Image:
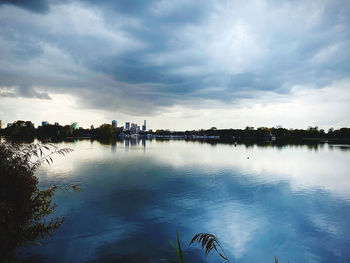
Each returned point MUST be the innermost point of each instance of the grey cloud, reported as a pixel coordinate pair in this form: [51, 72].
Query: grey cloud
[25, 91]
[39, 6]
[142, 52]
[30, 92]
[7, 93]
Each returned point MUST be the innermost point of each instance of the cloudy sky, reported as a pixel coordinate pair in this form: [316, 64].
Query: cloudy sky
[178, 64]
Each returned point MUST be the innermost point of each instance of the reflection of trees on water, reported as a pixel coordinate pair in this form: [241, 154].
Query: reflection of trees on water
[142, 141]
[341, 147]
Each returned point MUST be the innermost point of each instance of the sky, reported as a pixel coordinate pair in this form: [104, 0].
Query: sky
[184, 64]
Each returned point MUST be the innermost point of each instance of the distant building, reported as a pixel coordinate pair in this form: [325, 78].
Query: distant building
[127, 126]
[75, 125]
[0, 124]
[114, 124]
[56, 124]
[44, 123]
[133, 128]
[9, 125]
[144, 126]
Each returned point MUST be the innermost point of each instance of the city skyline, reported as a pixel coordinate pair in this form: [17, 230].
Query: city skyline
[76, 125]
[180, 65]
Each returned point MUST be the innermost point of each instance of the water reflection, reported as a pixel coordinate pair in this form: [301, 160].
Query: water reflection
[288, 201]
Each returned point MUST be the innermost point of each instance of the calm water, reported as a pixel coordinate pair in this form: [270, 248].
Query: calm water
[292, 202]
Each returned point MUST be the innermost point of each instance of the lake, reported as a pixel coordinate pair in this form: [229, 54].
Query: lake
[261, 201]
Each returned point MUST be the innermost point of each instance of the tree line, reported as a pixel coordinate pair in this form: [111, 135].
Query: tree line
[261, 134]
[26, 130]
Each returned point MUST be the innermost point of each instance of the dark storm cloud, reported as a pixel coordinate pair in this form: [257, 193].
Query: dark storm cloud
[29, 92]
[39, 6]
[25, 91]
[117, 54]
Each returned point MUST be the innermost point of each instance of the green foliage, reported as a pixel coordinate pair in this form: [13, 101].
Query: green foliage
[105, 130]
[23, 206]
[177, 250]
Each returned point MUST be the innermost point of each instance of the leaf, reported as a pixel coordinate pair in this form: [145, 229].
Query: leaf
[210, 243]
[179, 248]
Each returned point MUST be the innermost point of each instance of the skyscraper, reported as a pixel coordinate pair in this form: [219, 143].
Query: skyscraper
[127, 126]
[114, 124]
[144, 126]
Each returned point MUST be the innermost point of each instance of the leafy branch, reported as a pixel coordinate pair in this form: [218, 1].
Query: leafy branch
[211, 243]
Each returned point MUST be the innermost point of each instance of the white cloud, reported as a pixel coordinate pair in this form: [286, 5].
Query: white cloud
[61, 108]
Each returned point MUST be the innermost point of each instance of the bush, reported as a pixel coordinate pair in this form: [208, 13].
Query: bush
[23, 206]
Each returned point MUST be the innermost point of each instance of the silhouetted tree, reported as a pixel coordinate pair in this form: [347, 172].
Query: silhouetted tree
[23, 206]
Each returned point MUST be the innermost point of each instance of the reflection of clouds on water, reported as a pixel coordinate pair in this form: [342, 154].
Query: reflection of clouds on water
[321, 222]
[88, 242]
[235, 227]
[305, 169]
[275, 203]
[298, 165]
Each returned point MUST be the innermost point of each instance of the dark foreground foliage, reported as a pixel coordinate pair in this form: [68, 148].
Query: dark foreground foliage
[23, 206]
[209, 243]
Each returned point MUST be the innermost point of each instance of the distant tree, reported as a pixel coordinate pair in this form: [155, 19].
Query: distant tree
[106, 130]
[20, 129]
[23, 206]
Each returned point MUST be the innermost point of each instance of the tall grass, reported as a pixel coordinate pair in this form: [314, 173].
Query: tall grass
[177, 249]
[209, 242]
